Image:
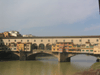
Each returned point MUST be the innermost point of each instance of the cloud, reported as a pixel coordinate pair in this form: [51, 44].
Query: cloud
[93, 27]
[36, 13]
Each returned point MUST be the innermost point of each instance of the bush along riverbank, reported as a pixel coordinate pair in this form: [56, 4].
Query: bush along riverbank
[94, 70]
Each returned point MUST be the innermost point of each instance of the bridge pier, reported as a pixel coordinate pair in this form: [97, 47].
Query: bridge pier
[22, 56]
[62, 57]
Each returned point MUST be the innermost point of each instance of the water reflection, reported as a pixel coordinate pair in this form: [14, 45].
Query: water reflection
[47, 67]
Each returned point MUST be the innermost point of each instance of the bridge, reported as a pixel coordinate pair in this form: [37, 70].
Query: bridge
[62, 47]
[62, 56]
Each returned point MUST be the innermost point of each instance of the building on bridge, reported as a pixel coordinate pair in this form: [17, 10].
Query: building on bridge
[66, 47]
[61, 47]
[75, 48]
[24, 46]
[17, 46]
[87, 48]
[97, 49]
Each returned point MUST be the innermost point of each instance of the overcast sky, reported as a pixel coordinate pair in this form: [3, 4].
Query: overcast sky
[50, 17]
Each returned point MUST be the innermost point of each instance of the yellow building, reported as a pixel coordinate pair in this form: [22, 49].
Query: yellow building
[20, 46]
[23, 46]
[6, 34]
[54, 48]
[58, 47]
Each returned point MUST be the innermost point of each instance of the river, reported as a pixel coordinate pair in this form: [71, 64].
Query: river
[47, 66]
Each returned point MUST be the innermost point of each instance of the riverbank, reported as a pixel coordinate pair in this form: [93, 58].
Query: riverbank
[94, 70]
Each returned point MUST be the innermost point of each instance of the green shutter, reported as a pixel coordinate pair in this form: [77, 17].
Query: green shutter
[91, 50]
[83, 50]
[87, 50]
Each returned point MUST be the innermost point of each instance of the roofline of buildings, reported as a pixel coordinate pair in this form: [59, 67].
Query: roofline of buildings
[96, 36]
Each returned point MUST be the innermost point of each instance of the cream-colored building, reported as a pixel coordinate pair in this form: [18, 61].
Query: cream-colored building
[97, 49]
[15, 33]
[12, 46]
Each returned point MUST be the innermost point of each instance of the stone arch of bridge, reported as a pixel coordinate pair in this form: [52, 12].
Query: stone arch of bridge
[48, 46]
[33, 55]
[74, 54]
[9, 55]
[42, 46]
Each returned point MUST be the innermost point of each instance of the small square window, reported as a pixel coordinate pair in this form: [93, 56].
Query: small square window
[9, 40]
[60, 49]
[15, 40]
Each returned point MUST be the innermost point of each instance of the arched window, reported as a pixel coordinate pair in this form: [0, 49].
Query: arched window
[41, 46]
[56, 40]
[34, 46]
[48, 47]
[79, 40]
[97, 40]
[15, 40]
[63, 40]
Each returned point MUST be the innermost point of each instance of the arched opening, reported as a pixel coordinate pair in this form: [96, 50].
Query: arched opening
[41, 46]
[48, 46]
[34, 46]
[8, 56]
[83, 58]
[41, 56]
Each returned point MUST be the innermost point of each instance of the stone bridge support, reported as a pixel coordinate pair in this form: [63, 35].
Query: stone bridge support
[65, 57]
[23, 56]
[62, 57]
